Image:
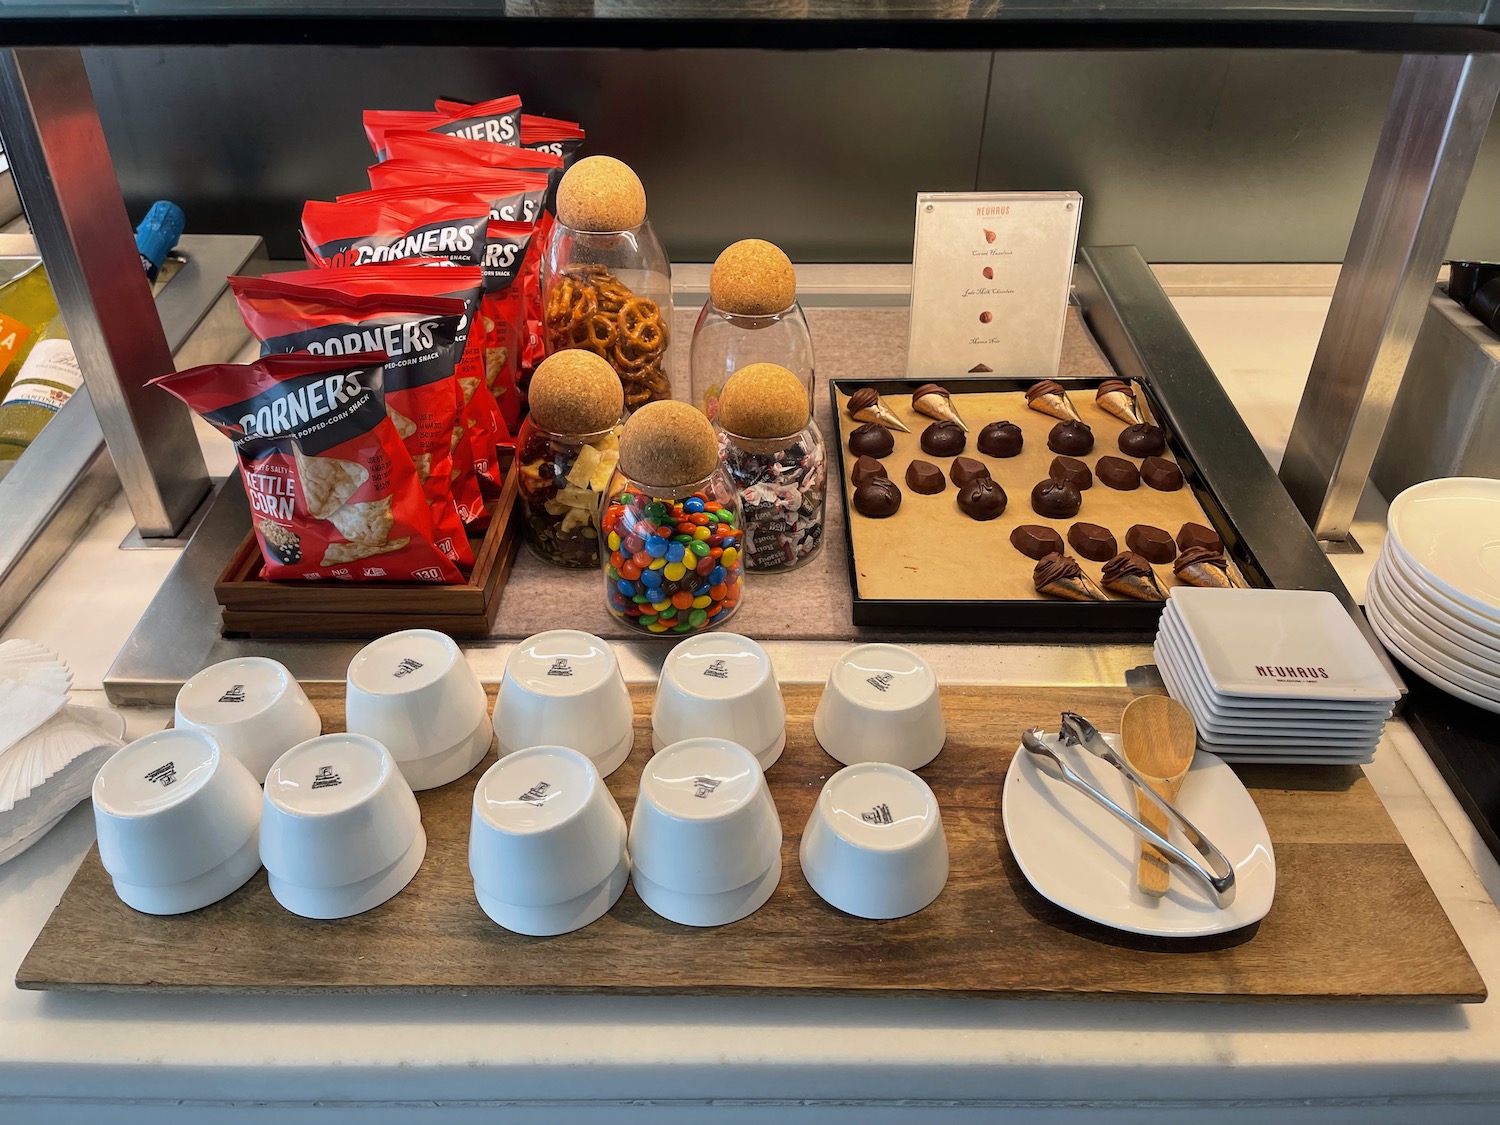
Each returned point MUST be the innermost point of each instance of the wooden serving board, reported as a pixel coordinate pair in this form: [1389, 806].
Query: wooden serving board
[1354, 920]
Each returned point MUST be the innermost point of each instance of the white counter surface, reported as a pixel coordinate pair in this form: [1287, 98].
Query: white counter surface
[103, 1058]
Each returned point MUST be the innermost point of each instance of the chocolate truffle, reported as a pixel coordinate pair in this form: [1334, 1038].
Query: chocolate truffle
[1056, 500]
[943, 439]
[1093, 542]
[877, 498]
[1151, 543]
[966, 470]
[1142, 440]
[1001, 439]
[925, 477]
[1072, 439]
[1161, 474]
[1036, 541]
[936, 402]
[1132, 576]
[871, 440]
[1118, 473]
[866, 468]
[982, 499]
[1196, 535]
[1072, 470]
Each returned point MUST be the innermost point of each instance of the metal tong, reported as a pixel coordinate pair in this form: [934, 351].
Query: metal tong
[1218, 877]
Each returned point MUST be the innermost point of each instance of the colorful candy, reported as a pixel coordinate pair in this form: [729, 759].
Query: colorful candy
[674, 566]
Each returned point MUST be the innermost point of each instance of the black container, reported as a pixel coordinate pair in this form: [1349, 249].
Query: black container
[1467, 278]
[1074, 619]
[1485, 305]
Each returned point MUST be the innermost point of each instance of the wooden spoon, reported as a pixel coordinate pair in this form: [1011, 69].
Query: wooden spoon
[1158, 738]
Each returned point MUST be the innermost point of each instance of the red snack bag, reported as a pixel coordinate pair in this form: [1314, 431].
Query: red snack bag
[332, 490]
[503, 311]
[476, 157]
[549, 134]
[497, 121]
[424, 335]
[429, 277]
[397, 226]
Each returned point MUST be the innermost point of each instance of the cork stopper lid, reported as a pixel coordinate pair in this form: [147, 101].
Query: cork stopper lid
[668, 444]
[763, 400]
[752, 278]
[576, 392]
[600, 193]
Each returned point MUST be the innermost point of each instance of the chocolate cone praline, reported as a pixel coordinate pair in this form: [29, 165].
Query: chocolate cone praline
[1001, 439]
[1072, 470]
[1056, 500]
[1093, 542]
[1118, 473]
[1151, 543]
[877, 498]
[1071, 439]
[966, 470]
[871, 440]
[925, 477]
[1036, 541]
[866, 468]
[982, 499]
[943, 439]
[1161, 474]
[1142, 440]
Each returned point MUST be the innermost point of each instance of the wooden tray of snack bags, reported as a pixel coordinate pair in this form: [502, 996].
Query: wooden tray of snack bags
[254, 606]
[930, 565]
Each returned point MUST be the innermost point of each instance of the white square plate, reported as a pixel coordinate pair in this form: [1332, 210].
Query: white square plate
[1280, 644]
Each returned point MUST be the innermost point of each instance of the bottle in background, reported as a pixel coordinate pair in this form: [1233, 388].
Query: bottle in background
[27, 306]
[46, 382]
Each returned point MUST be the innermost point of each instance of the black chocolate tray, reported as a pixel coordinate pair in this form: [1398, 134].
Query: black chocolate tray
[1030, 613]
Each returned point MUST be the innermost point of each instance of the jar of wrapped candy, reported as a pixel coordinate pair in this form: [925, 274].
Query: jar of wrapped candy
[773, 455]
[566, 455]
[606, 281]
[751, 316]
[675, 562]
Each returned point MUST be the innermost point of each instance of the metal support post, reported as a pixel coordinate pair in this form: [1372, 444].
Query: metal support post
[72, 198]
[1438, 116]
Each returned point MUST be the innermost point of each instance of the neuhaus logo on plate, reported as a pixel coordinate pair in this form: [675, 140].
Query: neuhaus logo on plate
[1291, 672]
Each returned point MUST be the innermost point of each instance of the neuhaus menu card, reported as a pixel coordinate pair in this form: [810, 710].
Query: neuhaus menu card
[991, 272]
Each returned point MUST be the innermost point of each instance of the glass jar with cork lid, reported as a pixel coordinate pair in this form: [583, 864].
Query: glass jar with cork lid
[566, 455]
[751, 316]
[773, 454]
[675, 562]
[606, 281]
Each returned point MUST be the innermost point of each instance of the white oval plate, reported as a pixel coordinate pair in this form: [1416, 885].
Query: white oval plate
[1451, 670]
[1450, 528]
[1396, 647]
[1468, 658]
[1078, 856]
[1445, 606]
[1432, 621]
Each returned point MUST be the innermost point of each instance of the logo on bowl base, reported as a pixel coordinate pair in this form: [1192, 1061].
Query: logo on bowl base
[560, 667]
[718, 670]
[235, 694]
[881, 683]
[407, 667]
[703, 787]
[326, 778]
[163, 775]
[880, 814]
[537, 794]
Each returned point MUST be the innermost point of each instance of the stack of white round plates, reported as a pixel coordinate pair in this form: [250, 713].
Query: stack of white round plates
[1434, 596]
[1274, 675]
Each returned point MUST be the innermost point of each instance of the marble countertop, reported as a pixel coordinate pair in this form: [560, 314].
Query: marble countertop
[154, 1059]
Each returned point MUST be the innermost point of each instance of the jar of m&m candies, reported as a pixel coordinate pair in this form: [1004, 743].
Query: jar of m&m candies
[675, 562]
[773, 454]
[566, 454]
[751, 316]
